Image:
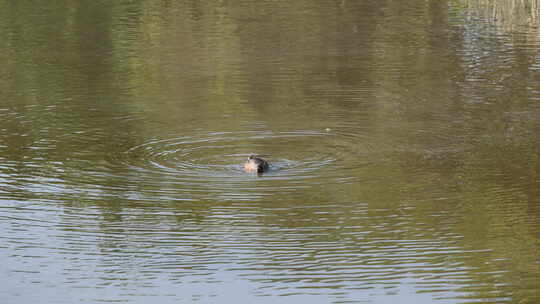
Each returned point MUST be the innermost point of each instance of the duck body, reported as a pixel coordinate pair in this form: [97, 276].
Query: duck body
[256, 164]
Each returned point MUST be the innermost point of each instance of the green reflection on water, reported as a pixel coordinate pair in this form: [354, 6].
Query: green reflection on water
[407, 137]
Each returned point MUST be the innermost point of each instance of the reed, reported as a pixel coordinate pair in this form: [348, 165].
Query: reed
[508, 13]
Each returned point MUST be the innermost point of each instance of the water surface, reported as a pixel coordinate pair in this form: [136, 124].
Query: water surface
[403, 141]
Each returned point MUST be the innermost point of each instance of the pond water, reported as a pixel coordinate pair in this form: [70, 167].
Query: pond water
[403, 138]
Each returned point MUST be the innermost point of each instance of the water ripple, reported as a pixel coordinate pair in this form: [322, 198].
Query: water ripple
[211, 163]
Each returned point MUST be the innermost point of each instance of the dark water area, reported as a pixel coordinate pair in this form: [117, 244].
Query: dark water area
[403, 138]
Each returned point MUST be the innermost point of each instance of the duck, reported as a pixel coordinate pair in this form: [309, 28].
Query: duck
[256, 164]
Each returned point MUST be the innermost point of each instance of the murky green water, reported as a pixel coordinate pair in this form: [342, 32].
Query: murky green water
[403, 138]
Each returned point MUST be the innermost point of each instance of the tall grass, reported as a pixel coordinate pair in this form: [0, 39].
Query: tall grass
[508, 13]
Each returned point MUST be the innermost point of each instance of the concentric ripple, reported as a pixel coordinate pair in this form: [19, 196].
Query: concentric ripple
[209, 166]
